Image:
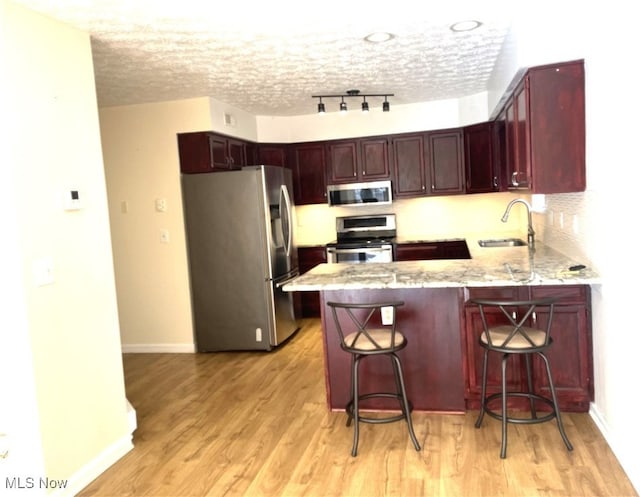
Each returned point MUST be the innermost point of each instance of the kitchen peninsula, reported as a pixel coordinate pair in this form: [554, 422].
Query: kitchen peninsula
[443, 361]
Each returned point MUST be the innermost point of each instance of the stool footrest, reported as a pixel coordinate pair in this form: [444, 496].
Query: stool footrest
[379, 420]
[532, 396]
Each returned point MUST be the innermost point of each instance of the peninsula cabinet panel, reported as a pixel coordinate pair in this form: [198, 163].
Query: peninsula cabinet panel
[446, 166]
[408, 152]
[308, 164]
[569, 355]
[308, 258]
[430, 319]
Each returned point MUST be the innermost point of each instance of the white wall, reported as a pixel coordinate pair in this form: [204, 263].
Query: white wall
[63, 400]
[401, 119]
[599, 217]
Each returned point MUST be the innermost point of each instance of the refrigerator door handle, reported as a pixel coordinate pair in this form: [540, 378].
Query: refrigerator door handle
[285, 205]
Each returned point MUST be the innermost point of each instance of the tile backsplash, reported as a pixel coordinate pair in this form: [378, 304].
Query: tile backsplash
[563, 224]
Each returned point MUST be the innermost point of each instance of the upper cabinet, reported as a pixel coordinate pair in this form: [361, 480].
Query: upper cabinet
[351, 161]
[482, 166]
[428, 163]
[544, 130]
[272, 154]
[308, 164]
[410, 176]
[446, 167]
[204, 152]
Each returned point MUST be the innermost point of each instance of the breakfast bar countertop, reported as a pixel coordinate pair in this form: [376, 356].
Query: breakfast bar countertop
[488, 266]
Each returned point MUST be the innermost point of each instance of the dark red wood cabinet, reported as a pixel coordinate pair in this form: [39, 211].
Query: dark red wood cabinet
[272, 154]
[570, 355]
[358, 160]
[308, 258]
[308, 163]
[203, 152]
[422, 251]
[545, 130]
[482, 167]
[428, 163]
[446, 162]
[430, 320]
[408, 162]
[226, 152]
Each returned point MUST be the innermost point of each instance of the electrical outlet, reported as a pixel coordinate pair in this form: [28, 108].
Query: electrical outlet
[164, 236]
[386, 314]
[161, 205]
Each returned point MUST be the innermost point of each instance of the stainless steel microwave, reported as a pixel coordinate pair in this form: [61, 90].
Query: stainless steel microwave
[370, 193]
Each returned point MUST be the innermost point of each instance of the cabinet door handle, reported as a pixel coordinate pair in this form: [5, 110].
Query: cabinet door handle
[514, 178]
[495, 182]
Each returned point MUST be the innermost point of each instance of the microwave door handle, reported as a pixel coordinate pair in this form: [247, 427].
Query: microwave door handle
[286, 200]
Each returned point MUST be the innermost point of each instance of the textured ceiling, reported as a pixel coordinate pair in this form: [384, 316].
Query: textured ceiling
[268, 58]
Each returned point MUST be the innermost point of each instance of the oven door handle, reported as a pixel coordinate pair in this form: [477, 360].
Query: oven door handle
[368, 250]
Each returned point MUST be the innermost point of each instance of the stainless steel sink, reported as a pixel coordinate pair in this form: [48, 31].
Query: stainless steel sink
[502, 242]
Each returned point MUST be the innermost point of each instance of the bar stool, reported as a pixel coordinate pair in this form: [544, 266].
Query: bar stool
[360, 338]
[516, 338]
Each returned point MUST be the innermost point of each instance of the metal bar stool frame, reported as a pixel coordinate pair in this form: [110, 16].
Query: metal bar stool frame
[522, 340]
[362, 343]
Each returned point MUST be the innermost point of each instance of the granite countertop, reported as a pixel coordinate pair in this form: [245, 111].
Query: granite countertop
[504, 266]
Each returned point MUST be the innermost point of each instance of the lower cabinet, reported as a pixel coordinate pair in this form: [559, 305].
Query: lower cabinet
[424, 251]
[308, 258]
[570, 355]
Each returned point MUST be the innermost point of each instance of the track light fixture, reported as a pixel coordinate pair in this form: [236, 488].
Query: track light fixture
[351, 94]
[343, 106]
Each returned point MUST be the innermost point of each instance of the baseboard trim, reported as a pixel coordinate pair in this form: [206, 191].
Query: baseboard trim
[95, 468]
[158, 348]
[629, 464]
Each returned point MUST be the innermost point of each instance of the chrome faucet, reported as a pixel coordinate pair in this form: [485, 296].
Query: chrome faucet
[531, 241]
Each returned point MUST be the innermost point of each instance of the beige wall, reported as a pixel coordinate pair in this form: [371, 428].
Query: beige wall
[63, 347]
[141, 165]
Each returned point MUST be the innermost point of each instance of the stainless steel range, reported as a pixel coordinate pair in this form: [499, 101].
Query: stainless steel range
[363, 239]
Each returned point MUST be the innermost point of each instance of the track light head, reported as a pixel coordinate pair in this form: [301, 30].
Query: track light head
[321, 109]
[365, 105]
[385, 105]
[343, 106]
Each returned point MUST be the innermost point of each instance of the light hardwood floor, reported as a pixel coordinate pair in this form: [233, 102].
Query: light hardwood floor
[256, 424]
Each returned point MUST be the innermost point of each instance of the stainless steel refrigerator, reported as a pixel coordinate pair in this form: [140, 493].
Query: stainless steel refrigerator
[241, 251]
